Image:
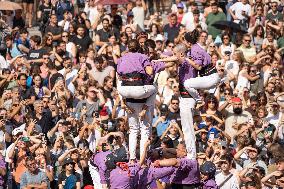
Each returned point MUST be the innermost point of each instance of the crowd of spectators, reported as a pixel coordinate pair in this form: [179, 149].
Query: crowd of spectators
[63, 124]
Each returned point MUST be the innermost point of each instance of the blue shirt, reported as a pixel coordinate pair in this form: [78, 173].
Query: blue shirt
[162, 126]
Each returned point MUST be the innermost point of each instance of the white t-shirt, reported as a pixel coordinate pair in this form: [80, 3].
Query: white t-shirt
[187, 20]
[139, 16]
[66, 25]
[238, 8]
[69, 78]
[273, 119]
[232, 183]
[92, 13]
[3, 62]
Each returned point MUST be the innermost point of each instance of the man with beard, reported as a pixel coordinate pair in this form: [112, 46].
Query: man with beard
[103, 34]
[53, 29]
[82, 40]
[235, 117]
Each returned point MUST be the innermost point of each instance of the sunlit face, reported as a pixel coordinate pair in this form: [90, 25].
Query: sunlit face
[261, 113]
[81, 31]
[37, 80]
[112, 39]
[128, 32]
[214, 59]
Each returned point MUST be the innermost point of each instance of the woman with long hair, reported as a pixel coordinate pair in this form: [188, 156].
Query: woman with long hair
[257, 37]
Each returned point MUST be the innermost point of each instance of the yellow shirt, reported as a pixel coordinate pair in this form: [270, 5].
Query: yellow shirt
[248, 52]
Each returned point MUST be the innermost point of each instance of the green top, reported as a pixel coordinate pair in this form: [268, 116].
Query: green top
[280, 42]
[211, 19]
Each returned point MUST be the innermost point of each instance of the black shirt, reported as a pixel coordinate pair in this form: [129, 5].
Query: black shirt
[36, 54]
[82, 44]
[26, 93]
[104, 35]
[172, 31]
[46, 11]
[45, 122]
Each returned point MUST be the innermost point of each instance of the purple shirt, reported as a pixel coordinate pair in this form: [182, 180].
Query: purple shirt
[186, 173]
[137, 177]
[157, 67]
[2, 165]
[199, 55]
[132, 62]
[209, 184]
[100, 162]
[149, 174]
[186, 71]
[120, 179]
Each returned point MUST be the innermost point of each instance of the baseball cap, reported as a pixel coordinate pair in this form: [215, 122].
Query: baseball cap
[159, 38]
[180, 5]
[164, 108]
[68, 161]
[208, 168]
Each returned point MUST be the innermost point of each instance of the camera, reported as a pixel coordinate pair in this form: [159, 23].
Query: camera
[108, 125]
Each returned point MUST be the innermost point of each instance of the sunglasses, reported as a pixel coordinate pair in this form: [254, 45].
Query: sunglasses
[225, 37]
[64, 35]
[247, 40]
[227, 93]
[171, 46]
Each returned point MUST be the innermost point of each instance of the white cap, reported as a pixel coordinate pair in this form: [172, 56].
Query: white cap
[159, 38]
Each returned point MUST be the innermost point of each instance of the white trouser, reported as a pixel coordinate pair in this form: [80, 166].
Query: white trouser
[186, 108]
[204, 82]
[137, 126]
[188, 104]
[138, 92]
[95, 176]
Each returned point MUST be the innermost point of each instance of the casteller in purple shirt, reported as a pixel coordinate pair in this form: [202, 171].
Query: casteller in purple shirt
[187, 172]
[136, 176]
[186, 71]
[157, 67]
[209, 184]
[132, 62]
[100, 161]
[199, 55]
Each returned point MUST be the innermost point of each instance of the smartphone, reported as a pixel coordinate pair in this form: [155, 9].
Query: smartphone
[211, 136]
